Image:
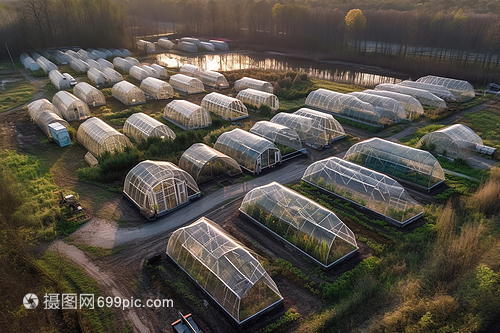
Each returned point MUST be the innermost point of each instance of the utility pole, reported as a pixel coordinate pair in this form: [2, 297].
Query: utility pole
[10, 56]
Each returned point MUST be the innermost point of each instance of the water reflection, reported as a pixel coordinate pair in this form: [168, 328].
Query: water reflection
[236, 60]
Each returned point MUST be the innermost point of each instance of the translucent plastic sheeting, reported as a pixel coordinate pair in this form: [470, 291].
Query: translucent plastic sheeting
[78, 64]
[256, 98]
[187, 47]
[434, 89]
[412, 106]
[248, 82]
[122, 64]
[151, 71]
[165, 43]
[365, 187]
[107, 52]
[406, 163]
[314, 136]
[45, 118]
[251, 151]
[206, 46]
[187, 115]
[41, 105]
[84, 55]
[162, 71]
[455, 141]
[186, 84]
[112, 76]
[138, 73]
[96, 76]
[125, 53]
[90, 95]
[157, 187]
[190, 70]
[308, 226]
[29, 63]
[226, 107]
[204, 163]
[423, 96]
[389, 109]
[219, 45]
[459, 88]
[213, 79]
[98, 137]
[195, 41]
[128, 94]
[133, 61]
[61, 58]
[224, 269]
[277, 133]
[157, 88]
[323, 121]
[140, 126]
[93, 64]
[46, 64]
[105, 64]
[59, 80]
[145, 46]
[70, 107]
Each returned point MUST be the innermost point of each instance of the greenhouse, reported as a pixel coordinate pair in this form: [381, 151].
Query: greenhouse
[277, 133]
[116, 53]
[186, 84]
[112, 76]
[309, 227]
[145, 46]
[455, 141]
[412, 106]
[29, 63]
[364, 187]
[84, 55]
[125, 53]
[156, 88]
[256, 98]
[97, 54]
[209, 47]
[122, 64]
[187, 115]
[408, 164]
[107, 53]
[251, 151]
[343, 105]
[133, 61]
[248, 82]
[423, 96]
[151, 71]
[138, 73]
[105, 64]
[43, 119]
[311, 132]
[224, 269]
[388, 108]
[213, 79]
[70, 107]
[434, 89]
[96, 76]
[39, 106]
[165, 43]
[462, 90]
[128, 94]
[158, 187]
[321, 120]
[60, 57]
[224, 106]
[45, 64]
[35, 55]
[190, 70]
[93, 64]
[98, 137]
[78, 65]
[73, 54]
[140, 126]
[204, 163]
[187, 47]
[58, 80]
[219, 45]
[89, 94]
[195, 41]
[162, 71]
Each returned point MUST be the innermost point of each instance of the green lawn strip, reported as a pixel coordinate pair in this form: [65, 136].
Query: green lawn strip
[15, 94]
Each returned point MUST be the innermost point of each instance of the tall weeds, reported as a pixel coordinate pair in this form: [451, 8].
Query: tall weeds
[486, 200]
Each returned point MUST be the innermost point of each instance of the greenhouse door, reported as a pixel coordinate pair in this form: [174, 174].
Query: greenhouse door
[81, 113]
[181, 192]
[277, 157]
[258, 165]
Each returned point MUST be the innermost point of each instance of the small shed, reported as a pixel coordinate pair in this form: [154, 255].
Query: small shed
[58, 80]
[187, 47]
[165, 43]
[138, 73]
[186, 84]
[224, 106]
[187, 115]
[248, 82]
[122, 64]
[141, 126]
[157, 88]
[112, 76]
[162, 71]
[98, 137]
[70, 107]
[128, 94]
[256, 98]
[89, 94]
[96, 76]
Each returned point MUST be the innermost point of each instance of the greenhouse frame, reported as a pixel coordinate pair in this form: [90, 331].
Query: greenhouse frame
[248, 82]
[186, 84]
[411, 105]
[325, 121]
[96, 76]
[41, 105]
[187, 115]
[46, 64]
[93, 64]
[140, 126]
[204, 163]
[226, 107]
[439, 91]
[190, 70]
[60, 57]
[365, 188]
[158, 187]
[213, 79]
[58, 80]
[98, 137]
[187, 47]
[43, 119]
[151, 71]
[78, 64]
[407, 164]
[165, 43]
[116, 53]
[84, 55]
[256, 98]
[162, 71]
[252, 152]
[462, 90]
[128, 94]
[70, 107]
[133, 61]
[28, 62]
[219, 45]
[389, 109]
[125, 53]
[277, 133]
[209, 47]
[107, 53]
[310, 228]
[112, 76]
[224, 270]
[122, 64]
[105, 64]
[157, 88]
[138, 73]
[35, 55]
[90, 95]
[423, 96]
[146, 46]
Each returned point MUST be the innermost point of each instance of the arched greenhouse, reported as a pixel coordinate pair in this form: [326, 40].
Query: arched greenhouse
[156, 88]
[162, 71]
[122, 64]
[46, 64]
[187, 47]
[141, 126]
[93, 64]
[323, 121]
[412, 106]
[186, 84]
[187, 115]
[434, 89]
[151, 71]
[165, 43]
[224, 106]
[112, 76]
[423, 96]
[389, 109]
[98, 137]
[219, 45]
[29, 63]
[70, 107]
[256, 98]
[128, 94]
[138, 73]
[45, 118]
[190, 70]
[277, 133]
[145, 46]
[213, 79]
[58, 80]
[96, 76]
[206, 46]
[90, 95]
[133, 61]
[248, 82]
[461, 89]
[105, 64]
[41, 105]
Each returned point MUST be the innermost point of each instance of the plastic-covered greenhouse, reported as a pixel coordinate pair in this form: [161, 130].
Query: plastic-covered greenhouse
[455, 141]
[89, 94]
[187, 115]
[311, 228]
[219, 45]
[434, 89]
[138, 73]
[156, 88]
[128, 94]
[165, 43]
[43, 119]
[411, 105]
[187, 47]
[83, 54]
[162, 71]
[408, 164]
[257, 98]
[186, 84]
[133, 61]
[59, 80]
[207, 46]
[70, 107]
[112, 76]
[364, 187]
[122, 64]
[389, 109]
[116, 53]
[29, 63]
[145, 46]
[204, 163]
[193, 40]
[461, 89]
[277, 133]
[311, 132]
[225, 270]
[46, 64]
[93, 64]
[251, 151]
[96, 76]
[157, 187]
[190, 70]
[60, 57]
[35, 55]
[321, 120]
[224, 106]
[98, 137]
[78, 65]
[125, 53]
[423, 96]
[343, 105]
[213, 79]
[141, 126]
[107, 53]
[248, 82]
[151, 71]
[105, 64]
[41, 105]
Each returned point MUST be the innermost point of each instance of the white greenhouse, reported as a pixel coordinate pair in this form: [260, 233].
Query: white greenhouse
[44, 119]
[219, 45]
[90, 95]
[29, 63]
[434, 89]
[35, 55]
[206, 46]
[112, 76]
[256, 98]
[165, 43]
[190, 70]
[252, 152]
[156, 88]
[140, 126]
[78, 65]
[138, 73]
[105, 64]
[224, 106]
[187, 115]
[70, 107]
[98, 137]
[204, 163]
[133, 61]
[60, 57]
[128, 94]
[122, 64]
[278, 134]
[125, 53]
[41, 105]
[96, 76]
[145, 46]
[46, 64]
[151, 71]
[116, 53]
[107, 53]
[312, 229]
[411, 105]
[161, 70]
[186, 84]
[334, 130]
[157, 187]
[187, 47]
[213, 79]
[195, 41]
[248, 82]
[389, 109]
[423, 96]
[84, 55]
[58, 80]
[462, 90]
[93, 64]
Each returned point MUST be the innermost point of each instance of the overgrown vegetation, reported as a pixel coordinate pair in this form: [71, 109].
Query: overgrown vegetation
[486, 124]
[413, 139]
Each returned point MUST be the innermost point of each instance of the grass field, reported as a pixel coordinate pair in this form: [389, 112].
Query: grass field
[486, 124]
[15, 94]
